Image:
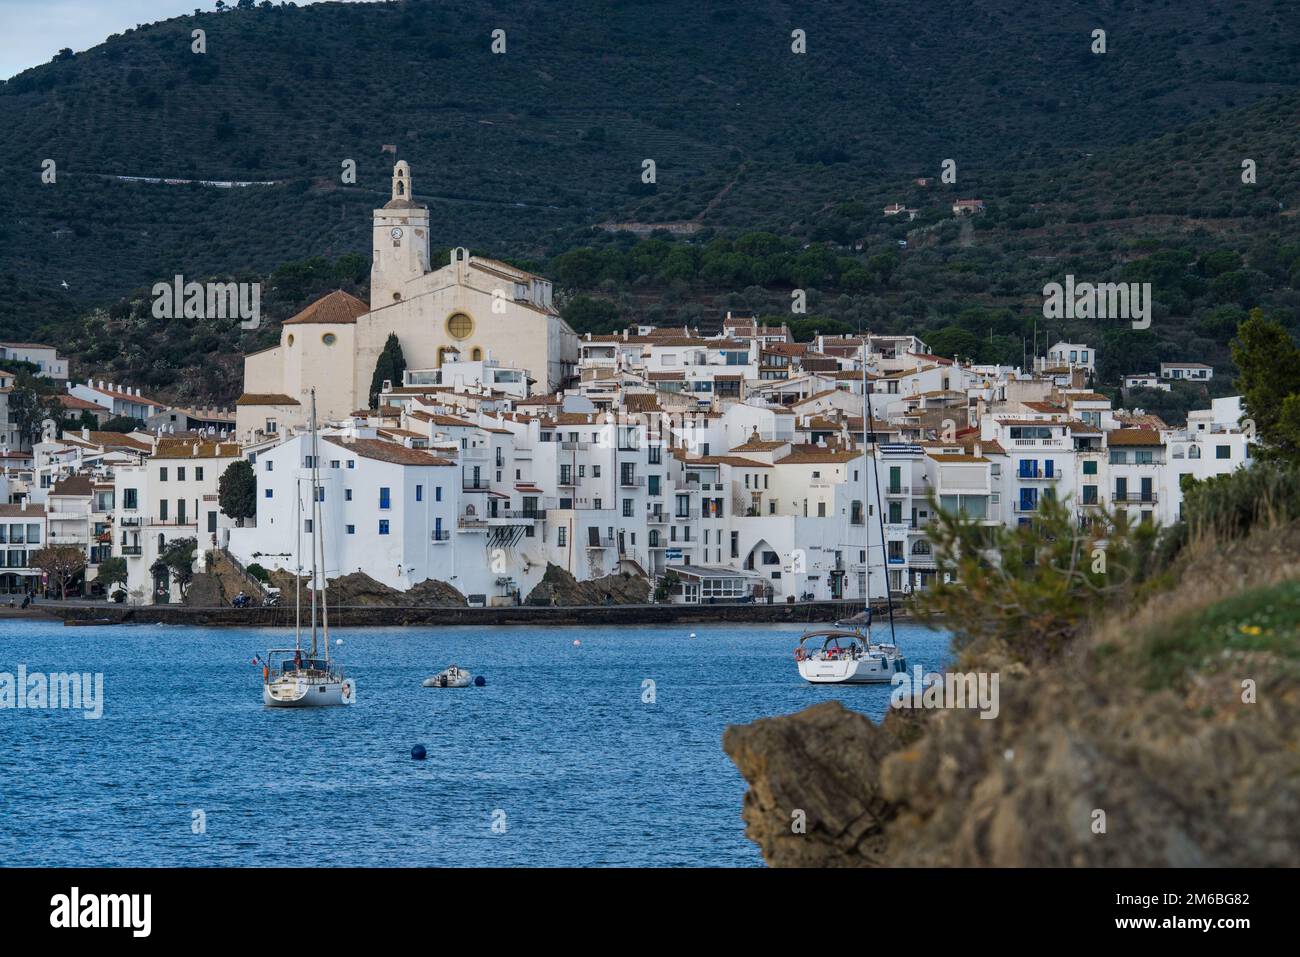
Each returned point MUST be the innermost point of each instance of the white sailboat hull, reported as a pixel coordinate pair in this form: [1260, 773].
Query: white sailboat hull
[303, 693]
[871, 669]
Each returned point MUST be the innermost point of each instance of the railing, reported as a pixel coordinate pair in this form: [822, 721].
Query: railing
[692, 514]
[172, 523]
[1149, 497]
[66, 540]
[631, 481]
[256, 585]
[602, 542]
[131, 521]
[1038, 443]
[898, 490]
[470, 484]
[657, 518]
[131, 549]
[520, 514]
[575, 446]
[439, 535]
[1037, 474]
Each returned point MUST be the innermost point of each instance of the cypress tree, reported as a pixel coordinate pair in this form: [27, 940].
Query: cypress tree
[390, 365]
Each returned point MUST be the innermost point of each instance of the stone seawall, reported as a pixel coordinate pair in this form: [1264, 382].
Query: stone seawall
[379, 616]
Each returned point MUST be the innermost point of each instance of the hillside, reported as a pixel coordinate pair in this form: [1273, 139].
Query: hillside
[1087, 162]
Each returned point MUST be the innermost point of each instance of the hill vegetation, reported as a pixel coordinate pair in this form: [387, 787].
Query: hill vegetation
[772, 168]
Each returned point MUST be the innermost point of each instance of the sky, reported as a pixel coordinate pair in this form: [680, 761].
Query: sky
[32, 31]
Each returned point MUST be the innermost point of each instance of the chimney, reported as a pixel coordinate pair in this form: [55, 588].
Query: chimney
[85, 433]
[978, 450]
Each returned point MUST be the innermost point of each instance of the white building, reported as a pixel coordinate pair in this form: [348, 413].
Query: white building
[1070, 355]
[171, 496]
[117, 399]
[45, 358]
[387, 510]
[22, 534]
[1186, 371]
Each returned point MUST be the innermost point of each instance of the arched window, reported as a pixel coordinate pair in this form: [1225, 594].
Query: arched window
[1193, 451]
[476, 354]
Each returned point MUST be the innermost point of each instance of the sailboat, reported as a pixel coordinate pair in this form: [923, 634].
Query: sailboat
[308, 678]
[848, 653]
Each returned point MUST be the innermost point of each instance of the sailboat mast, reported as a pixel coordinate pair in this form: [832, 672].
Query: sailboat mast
[312, 545]
[880, 515]
[297, 573]
[319, 528]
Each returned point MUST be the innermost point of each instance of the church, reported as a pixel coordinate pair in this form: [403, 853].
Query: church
[470, 308]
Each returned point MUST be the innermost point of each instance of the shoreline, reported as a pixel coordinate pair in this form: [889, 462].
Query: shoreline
[344, 616]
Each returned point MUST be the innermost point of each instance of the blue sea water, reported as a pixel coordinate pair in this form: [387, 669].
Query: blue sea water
[559, 749]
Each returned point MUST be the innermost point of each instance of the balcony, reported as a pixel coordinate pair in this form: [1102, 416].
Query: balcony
[898, 490]
[439, 536]
[131, 549]
[519, 515]
[131, 521]
[1030, 475]
[602, 542]
[657, 518]
[66, 540]
[575, 446]
[1130, 498]
[692, 515]
[631, 481]
[1038, 443]
[180, 522]
[472, 484]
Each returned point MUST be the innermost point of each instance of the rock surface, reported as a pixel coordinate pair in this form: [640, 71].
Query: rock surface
[1083, 766]
[359, 588]
[558, 587]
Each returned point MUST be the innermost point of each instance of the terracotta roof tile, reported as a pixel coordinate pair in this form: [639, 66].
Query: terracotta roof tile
[336, 308]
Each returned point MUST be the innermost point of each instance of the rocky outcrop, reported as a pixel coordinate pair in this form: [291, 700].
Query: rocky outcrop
[558, 587]
[432, 593]
[1094, 760]
[218, 585]
[360, 590]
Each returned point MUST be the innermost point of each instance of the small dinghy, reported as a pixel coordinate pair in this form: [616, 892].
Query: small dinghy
[453, 677]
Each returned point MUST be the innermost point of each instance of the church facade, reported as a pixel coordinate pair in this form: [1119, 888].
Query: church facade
[471, 308]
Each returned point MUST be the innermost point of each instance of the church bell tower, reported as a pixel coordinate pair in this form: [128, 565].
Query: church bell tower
[401, 242]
